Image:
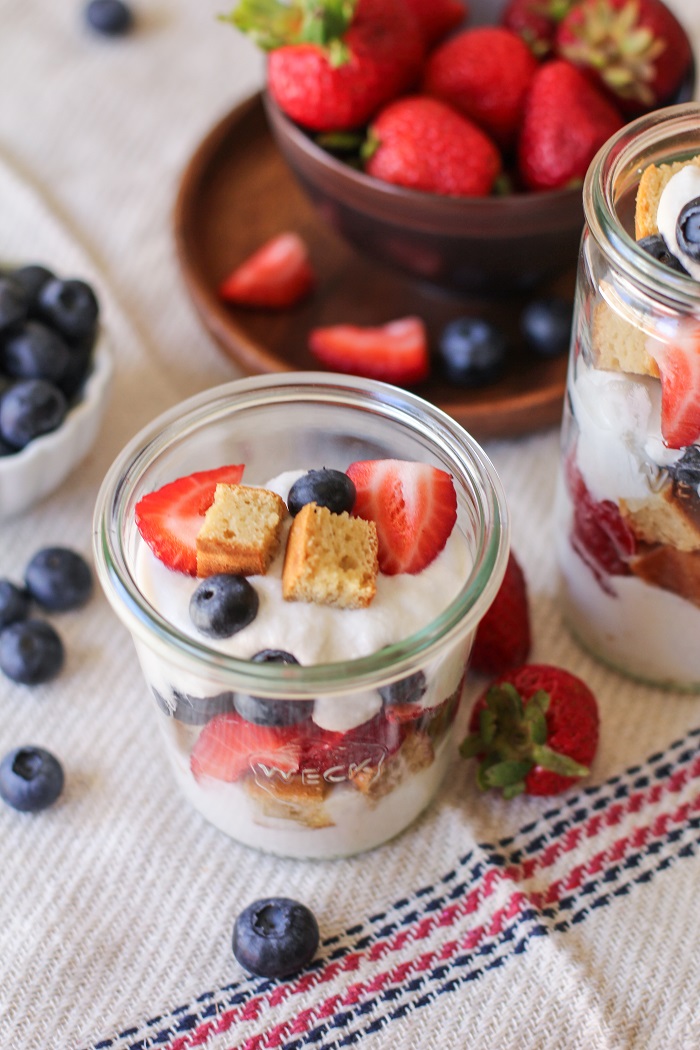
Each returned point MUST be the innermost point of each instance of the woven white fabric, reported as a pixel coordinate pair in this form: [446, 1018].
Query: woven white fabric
[533, 925]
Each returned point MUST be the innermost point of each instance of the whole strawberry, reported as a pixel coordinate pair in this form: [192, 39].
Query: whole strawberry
[426, 145]
[333, 63]
[566, 120]
[485, 73]
[437, 18]
[503, 638]
[637, 50]
[536, 21]
[535, 731]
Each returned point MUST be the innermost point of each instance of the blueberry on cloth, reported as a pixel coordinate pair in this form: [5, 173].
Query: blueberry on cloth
[275, 937]
[688, 229]
[326, 487]
[111, 17]
[656, 246]
[69, 306]
[266, 712]
[30, 652]
[30, 778]
[28, 409]
[545, 324]
[14, 303]
[32, 278]
[14, 603]
[223, 604]
[58, 579]
[407, 691]
[35, 351]
[193, 710]
[472, 352]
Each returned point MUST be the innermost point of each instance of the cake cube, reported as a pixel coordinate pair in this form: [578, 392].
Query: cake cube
[241, 531]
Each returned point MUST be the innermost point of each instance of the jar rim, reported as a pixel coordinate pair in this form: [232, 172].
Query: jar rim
[656, 137]
[394, 661]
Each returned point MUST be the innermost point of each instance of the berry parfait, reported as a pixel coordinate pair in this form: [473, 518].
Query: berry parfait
[302, 561]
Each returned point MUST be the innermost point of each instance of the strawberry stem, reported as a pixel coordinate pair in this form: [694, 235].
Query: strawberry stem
[273, 23]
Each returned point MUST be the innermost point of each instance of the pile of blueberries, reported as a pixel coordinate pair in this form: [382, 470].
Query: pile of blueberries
[48, 331]
[31, 652]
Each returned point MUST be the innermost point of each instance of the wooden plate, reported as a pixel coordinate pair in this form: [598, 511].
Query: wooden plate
[237, 191]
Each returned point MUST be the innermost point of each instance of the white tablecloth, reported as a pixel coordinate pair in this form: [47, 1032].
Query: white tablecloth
[531, 925]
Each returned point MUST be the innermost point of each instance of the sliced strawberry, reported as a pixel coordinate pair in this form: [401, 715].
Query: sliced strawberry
[339, 755]
[277, 275]
[599, 534]
[679, 366]
[170, 518]
[396, 352]
[228, 747]
[414, 506]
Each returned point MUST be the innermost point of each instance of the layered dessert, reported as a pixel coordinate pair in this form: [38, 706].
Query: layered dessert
[628, 499]
[310, 567]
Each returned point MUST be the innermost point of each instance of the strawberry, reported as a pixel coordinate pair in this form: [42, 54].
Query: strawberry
[485, 73]
[437, 18]
[277, 275]
[414, 506]
[600, 535]
[635, 49]
[503, 637]
[396, 352]
[170, 518]
[565, 122]
[333, 63]
[679, 367]
[337, 755]
[425, 144]
[228, 747]
[536, 21]
[535, 730]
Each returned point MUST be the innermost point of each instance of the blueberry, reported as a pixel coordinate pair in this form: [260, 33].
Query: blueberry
[275, 937]
[111, 17]
[656, 246]
[30, 778]
[14, 303]
[222, 605]
[34, 351]
[70, 306]
[408, 691]
[328, 488]
[686, 470]
[30, 652]
[472, 352]
[32, 278]
[14, 603]
[688, 229]
[79, 362]
[546, 325]
[266, 712]
[193, 710]
[58, 578]
[30, 408]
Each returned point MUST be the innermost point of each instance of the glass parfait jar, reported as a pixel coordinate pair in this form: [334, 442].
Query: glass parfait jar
[325, 759]
[628, 508]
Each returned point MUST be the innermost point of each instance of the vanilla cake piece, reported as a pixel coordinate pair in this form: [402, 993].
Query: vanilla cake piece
[670, 516]
[331, 559]
[241, 531]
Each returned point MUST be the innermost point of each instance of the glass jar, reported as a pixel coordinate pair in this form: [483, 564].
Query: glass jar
[628, 509]
[364, 742]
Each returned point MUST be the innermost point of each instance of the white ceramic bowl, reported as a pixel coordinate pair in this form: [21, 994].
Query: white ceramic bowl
[39, 468]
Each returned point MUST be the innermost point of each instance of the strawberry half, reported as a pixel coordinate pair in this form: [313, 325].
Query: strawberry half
[503, 637]
[414, 506]
[396, 352]
[228, 747]
[170, 518]
[679, 367]
[277, 275]
[535, 730]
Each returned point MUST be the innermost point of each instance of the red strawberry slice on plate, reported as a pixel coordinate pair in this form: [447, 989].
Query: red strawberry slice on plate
[414, 506]
[170, 518]
[228, 747]
[679, 366]
[396, 352]
[277, 275]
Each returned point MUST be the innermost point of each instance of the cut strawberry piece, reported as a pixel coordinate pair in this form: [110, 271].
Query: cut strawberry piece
[170, 518]
[600, 535]
[679, 366]
[277, 275]
[396, 352]
[228, 747]
[338, 755]
[414, 506]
